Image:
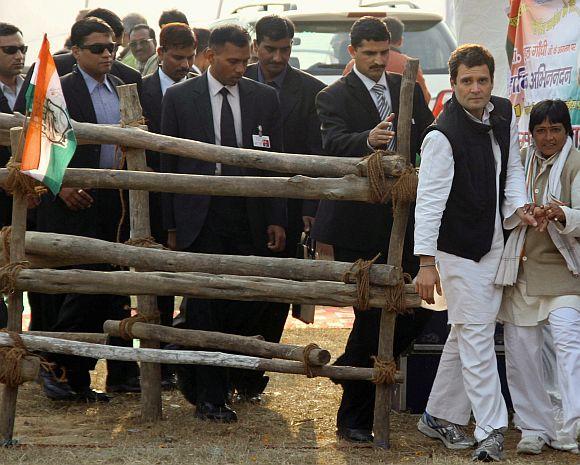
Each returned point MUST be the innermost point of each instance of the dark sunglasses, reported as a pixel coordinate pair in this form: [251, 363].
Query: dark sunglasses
[12, 49]
[97, 49]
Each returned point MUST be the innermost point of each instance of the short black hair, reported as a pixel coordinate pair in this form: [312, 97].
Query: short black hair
[274, 27]
[231, 33]
[368, 28]
[556, 111]
[138, 27]
[86, 27]
[7, 29]
[172, 16]
[110, 18]
[470, 55]
[176, 35]
[202, 37]
[396, 28]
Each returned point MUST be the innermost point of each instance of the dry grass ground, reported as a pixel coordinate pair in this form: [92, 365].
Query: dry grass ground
[295, 425]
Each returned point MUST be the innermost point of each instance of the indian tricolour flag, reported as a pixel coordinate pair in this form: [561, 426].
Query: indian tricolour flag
[50, 140]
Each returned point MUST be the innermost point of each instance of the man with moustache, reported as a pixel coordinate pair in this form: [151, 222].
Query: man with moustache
[221, 107]
[359, 115]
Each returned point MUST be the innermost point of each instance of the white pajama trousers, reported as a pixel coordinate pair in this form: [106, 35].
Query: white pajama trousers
[467, 380]
[534, 411]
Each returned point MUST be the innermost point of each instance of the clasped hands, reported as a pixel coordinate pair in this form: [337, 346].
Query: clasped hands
[540, 216]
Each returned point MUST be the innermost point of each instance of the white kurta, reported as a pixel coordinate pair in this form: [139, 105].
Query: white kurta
[472, 296]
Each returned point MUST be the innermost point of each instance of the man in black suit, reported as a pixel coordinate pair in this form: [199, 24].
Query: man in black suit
[176, 53]
[301, 134]
[358, 115]
[12, 54]
[91, 97]
[221, 107]
[65, 62]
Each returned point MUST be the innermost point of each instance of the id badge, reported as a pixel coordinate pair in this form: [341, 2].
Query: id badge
[261, 141]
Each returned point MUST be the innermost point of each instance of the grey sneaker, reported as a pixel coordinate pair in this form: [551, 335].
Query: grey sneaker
[452, 435]
[531, 445]
[490, 449]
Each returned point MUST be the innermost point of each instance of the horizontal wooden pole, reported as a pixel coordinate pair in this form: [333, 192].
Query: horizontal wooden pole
[220, 341]
[200, 285]
[186, 357]
[297, 187]
[309, 165]
[93, 338]
[47, 250]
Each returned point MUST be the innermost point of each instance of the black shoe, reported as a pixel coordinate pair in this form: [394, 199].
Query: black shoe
[241, 398]
[355, 435]
[129, 385]
[168, 383]
[54, 389]
[214, 412]
[90, 395]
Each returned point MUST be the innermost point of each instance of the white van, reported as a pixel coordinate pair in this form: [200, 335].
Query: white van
[321, 37]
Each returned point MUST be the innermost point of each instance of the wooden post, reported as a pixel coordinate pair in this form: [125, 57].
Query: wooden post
[15, 300]
[131, 115]
[383, 398]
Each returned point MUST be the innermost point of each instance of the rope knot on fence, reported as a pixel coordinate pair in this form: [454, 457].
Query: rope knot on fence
[395, 296]
[126, 325]
[384, 372]
[8, 275]
[377, 178]
[11, 368]
[306, 359]
[405, 188]
[360, 272]
[20, 183]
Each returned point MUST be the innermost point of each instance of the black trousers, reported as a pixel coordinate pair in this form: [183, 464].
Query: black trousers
[226, 231]
[358, 399]
[3, 313]
[87, 313]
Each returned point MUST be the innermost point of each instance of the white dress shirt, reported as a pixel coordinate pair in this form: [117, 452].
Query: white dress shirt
[369, 83]
[216, 107]
[469, 286]
[166, 81]
[12, 94]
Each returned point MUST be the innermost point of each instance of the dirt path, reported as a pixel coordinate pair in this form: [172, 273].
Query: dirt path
[294, 425]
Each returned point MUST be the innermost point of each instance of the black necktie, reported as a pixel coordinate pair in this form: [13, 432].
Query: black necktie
[227, 127]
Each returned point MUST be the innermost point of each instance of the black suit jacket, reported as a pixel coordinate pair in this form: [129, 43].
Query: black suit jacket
[101, 218]
[348, 113]
[300, 122]
[65, 63]
[5, 199]
[187, 113]
[151, 98]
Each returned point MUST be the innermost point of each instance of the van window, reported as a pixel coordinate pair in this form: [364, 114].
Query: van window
[322, 46]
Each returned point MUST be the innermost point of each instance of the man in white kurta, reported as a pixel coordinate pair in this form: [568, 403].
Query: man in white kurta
[473, 299]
